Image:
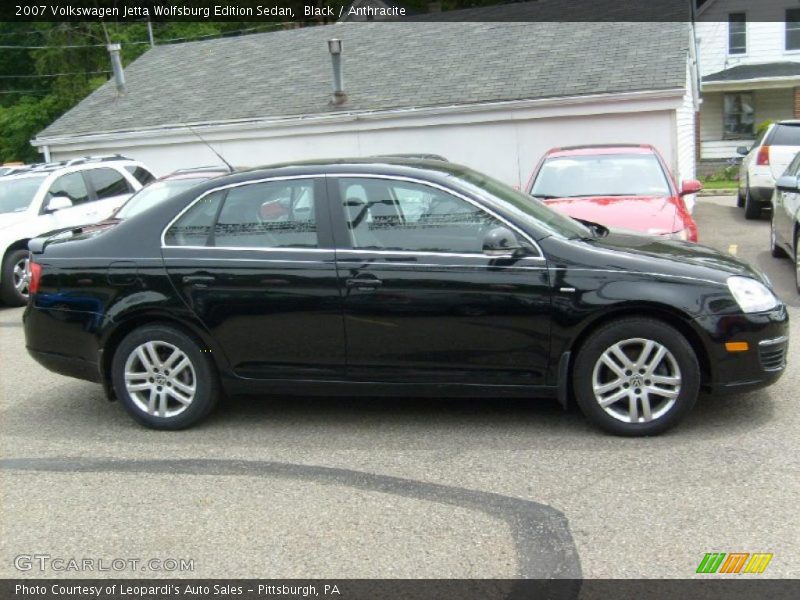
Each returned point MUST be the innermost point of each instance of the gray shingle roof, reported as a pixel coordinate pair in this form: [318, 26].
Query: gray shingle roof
[744, 72]
[386, 66]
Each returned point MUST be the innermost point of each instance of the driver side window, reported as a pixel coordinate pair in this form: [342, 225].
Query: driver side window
[399, 215]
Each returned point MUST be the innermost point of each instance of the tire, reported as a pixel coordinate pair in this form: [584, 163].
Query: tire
[797, 261]
[14, 284]
[740, 198]
[752, 208]
[157, 406]
[677, 366]
[774, 248]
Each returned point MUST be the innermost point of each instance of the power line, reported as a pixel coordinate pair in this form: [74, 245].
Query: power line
[53, 75]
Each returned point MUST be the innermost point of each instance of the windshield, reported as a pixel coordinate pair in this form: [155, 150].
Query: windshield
[16, 194]
[601, 175]
[155, 193]
[525, 206]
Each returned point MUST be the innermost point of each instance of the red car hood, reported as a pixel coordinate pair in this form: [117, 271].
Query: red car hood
[647, 214]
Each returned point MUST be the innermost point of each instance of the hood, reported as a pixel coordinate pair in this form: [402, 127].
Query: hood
[667, 256]
[653, 215]
[11, 219]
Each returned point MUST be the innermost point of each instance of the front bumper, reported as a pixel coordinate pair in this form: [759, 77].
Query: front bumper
[762, 364]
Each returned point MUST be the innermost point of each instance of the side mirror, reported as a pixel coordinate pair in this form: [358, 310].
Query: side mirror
[743, 150]
[691, 186]
[57, 203]
[500, 241]
[787, 183]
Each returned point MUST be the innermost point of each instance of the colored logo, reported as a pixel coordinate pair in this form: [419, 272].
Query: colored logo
[735, 562]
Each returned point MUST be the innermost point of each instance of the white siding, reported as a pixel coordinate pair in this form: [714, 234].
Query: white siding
[766, 34]
[507, 148]
[771, 104]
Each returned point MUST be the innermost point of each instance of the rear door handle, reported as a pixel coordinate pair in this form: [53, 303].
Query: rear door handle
[198, 280]
[364, 283]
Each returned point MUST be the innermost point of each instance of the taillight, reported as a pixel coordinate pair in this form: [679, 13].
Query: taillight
[762, 158]
[35, 276]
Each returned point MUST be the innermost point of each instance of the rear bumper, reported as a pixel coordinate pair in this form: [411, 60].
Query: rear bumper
[762, 194]
[70, 366]
[761, 365]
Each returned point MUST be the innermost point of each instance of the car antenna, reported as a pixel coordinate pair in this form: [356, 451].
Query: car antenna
[210, 147]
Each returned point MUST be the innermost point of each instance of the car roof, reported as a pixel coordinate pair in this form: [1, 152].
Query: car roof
[195, 173]
[595, 149]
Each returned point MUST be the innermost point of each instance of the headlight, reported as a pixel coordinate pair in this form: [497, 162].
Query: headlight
[751, 295]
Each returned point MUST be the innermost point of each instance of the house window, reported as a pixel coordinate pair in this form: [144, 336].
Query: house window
[737, 33]
[793, 29]
[738, 116]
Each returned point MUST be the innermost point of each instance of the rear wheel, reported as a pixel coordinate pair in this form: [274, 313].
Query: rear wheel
[740, 197]
[774, 248]
[636, 377]
[752, 207]
[163, 378]
[14, 283]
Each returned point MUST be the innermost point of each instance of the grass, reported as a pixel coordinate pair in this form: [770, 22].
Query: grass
[729, 184]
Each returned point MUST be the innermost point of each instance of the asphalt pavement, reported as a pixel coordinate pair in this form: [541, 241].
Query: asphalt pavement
[373, 488]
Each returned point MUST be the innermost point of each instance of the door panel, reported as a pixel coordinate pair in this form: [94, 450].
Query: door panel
[422, 303]
[250, 262]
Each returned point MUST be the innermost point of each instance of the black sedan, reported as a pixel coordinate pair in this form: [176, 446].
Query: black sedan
[785, 225]
[395, 276]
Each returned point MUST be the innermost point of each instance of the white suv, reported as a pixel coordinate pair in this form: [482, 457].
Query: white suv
[763, 163]
[55, 196]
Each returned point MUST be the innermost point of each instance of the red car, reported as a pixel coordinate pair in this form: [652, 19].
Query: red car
[622, 186]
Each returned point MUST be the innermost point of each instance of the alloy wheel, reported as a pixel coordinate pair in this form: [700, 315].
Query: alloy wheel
[160, 379]
[21, 277]
[636, 380]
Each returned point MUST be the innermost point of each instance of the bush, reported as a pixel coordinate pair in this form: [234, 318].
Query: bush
[729, 173]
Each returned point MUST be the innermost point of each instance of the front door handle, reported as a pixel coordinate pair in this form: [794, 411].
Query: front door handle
[198, 280]
[363, 283]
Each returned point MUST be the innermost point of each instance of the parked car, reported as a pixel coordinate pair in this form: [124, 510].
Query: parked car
[625, 186]
[763, 163]
[407, 277]
[785, 223]
[56, 196]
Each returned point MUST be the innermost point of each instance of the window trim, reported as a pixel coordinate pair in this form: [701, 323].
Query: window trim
[456, 193]
[164, 245]
[728, 36]
[452, 192]
[738, 136]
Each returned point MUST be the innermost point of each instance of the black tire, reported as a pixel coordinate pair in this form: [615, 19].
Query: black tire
[9, 293]
[201, 372]
[774, 248]
[752, 207]
[740, 197]
[679, 355]
[797, 261]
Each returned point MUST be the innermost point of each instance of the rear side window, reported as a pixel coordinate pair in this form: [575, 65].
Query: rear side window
[108, 183]
[141, 174]
[194, 227]
[273, 214]
[71, 186]
[784, 135]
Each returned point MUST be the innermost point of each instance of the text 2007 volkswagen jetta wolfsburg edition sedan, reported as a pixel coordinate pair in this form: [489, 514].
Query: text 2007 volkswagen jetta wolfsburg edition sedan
[401, 277]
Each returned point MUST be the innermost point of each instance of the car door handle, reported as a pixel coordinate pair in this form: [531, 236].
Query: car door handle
[199, 280]
[370, 283]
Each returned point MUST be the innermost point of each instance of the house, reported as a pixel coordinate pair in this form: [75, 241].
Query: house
[494, 96]
[749, 61]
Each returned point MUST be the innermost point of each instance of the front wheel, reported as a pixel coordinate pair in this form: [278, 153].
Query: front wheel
[636, 377]
[163, 378]
[775, 249]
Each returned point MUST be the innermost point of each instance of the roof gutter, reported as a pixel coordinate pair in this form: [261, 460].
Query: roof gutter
[754, 83]
[355, 115]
